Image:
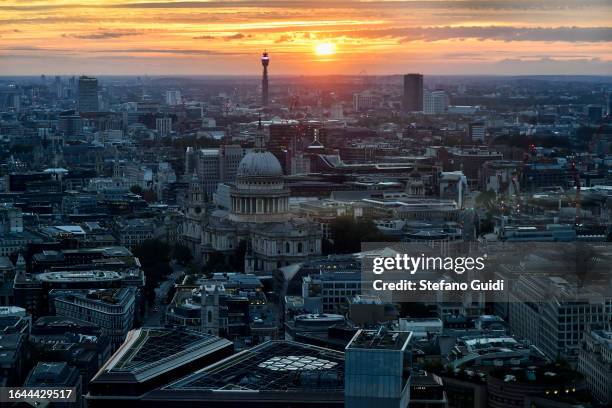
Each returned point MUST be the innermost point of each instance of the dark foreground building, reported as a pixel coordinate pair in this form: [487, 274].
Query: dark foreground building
[150, 358]
[272, 374]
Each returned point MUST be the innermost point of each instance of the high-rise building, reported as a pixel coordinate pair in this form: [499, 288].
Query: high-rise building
[376, 369]
[88, 94]
[265, 61]
[435, 103]
[10, 99]
[173, 98]
[413, 93]
[58, 87]
[163, 126]
[214, 166]
[478, 132]
[594, 113]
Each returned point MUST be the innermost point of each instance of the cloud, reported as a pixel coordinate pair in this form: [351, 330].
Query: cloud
[102, 35]
[546, 65]
[374, 4]
[285, 38]
[238, 36]
[499, 33]
[45, 52]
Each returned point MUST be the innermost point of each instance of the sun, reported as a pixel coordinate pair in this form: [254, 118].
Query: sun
[326, 48]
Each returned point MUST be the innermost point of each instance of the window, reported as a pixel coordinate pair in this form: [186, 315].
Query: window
[287, 247]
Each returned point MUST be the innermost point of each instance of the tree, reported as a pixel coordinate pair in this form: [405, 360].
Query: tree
[486, 200]
[237, 261]
[216, 263]
[136, 189]
[347, 234]
[149, 196]
[327, 247]
[154, 256]
[182, 254]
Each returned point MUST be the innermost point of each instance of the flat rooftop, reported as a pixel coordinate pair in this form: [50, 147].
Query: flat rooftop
[72, 276]
[380, 340]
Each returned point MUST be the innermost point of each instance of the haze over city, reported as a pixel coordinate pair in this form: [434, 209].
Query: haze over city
[482, 37]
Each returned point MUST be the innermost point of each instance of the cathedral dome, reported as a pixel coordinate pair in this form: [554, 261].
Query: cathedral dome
[259, 163]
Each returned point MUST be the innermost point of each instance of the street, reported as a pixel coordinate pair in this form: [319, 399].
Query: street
[155, 314]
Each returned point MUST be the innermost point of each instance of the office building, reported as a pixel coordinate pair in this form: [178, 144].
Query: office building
[595, 363]
[14, 351]
[214, 166]
[558, 325]
[111, 309]
[478, 132]
[14, 319]
[413, 93]
[133, 232]
[435, 103]
[377, 369]
[163, 126]
[311, 323]
[173, 98]
[10, 99]
[80, 344]
[330, 290]
[57, 375]
[470, 161]
[363, 101]
[594, 113]
[88, 94]
[427, 391]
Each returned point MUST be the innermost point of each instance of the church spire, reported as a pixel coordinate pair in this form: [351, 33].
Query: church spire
[260, 143]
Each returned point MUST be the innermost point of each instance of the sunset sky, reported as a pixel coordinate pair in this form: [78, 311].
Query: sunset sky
[306, 37]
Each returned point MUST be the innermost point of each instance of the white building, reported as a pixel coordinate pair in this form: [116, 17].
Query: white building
[435, 103]
[163, 126]
[173, 98]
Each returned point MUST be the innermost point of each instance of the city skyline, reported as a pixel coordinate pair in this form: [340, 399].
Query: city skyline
[325, 38]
